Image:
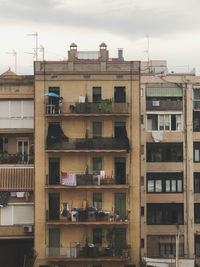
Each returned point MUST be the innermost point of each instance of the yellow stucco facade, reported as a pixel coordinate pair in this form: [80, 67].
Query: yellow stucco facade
[72, 79]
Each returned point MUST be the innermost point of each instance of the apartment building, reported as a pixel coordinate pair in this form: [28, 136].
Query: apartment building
[16, 169]
[170, 170]
[87, 164]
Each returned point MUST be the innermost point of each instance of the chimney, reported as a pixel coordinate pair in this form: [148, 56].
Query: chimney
[103, 52]
[72, 53]
[120, 54]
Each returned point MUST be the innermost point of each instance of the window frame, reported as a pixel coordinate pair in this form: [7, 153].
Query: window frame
[163, 177]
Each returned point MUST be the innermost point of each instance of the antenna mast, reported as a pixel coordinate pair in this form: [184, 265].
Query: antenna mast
[14, 53]
[36, 44]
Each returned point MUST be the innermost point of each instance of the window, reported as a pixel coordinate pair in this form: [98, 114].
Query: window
[17, 214]
[142, 211]
[164, 122]
[97, 165]
[97, 200]
[54, 171]
[164, 152]
[167, 246]
[164, 182]
[97, 236]
[196, 121]
[197, 182]
[16, 109]
[196, 146]
[120, 129]
[196, 97]
[120, 94]
[197, 245]
[154, 186]
[196, 212]
[142, 242]
[164, 214]
[3, 145]
[96, 94]
[97, 129]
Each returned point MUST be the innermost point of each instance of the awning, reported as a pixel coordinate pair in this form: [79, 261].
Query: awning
[164, 92]
[16, 179]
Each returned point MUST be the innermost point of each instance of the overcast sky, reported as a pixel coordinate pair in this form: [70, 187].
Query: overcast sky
[173, 27]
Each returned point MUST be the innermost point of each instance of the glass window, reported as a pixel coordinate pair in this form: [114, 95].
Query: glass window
[96, 94]
[97, 165]
[167, 186]
[97, 129]
[97, 236]
[158, 186]
[179, 185]
[150, 186]
[179, 126]
[173, 185]
[196, 182]
[97, 200]
[196, 155]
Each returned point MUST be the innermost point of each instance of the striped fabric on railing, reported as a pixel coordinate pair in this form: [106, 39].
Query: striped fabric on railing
[16, 178]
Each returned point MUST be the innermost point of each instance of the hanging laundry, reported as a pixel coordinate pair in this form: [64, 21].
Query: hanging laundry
[20, 194]
[69, 179]
[3, 199]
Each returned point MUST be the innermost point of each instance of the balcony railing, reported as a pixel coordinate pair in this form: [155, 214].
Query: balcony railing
[17, 158]
[86, 215]
[87, 179]
[104, 143]
[164, 105]
[79, 252]
[88, 108]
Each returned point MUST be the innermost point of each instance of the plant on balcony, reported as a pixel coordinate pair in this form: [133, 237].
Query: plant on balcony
[105, 105]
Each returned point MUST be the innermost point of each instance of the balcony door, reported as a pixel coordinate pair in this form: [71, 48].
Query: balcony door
[23, 149]
[120, 204]
[119, 241]
[120, 170]
[54, 242]
[54, 206]
[54, 171]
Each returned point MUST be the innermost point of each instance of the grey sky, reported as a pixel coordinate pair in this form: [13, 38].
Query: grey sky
[173, 27]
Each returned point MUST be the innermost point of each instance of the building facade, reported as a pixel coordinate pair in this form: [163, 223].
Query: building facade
[16, 169]
[170, 168]
[87, 163]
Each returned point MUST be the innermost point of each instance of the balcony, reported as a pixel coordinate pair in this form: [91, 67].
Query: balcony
[88, 216]
[103, 144]
[89, 109]
[16, 178]
[89, 181]
[87, 253]
[17, 158]
[164, 105]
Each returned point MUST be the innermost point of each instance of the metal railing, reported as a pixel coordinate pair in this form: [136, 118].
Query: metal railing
[17, 158]
[88, 179]
[102, 143]
[88, 108]
[164, 105]
[88, 251]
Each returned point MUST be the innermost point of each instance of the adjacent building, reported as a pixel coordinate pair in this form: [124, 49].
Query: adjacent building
[170, 170]
[87, 164]
[16, 169]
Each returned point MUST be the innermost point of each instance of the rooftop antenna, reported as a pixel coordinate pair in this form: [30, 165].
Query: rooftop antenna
[36, 45]
[147, 51]
[42, 50]
[14, 53]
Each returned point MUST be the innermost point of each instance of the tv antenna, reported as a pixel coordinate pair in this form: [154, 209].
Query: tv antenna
[147, 50]
[14, 53]
[35, 53]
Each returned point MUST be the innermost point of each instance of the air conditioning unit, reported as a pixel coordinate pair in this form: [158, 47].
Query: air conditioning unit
[28, 229]
[155, 103]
